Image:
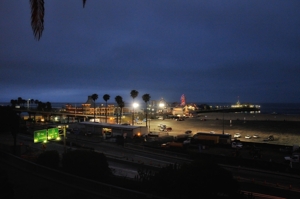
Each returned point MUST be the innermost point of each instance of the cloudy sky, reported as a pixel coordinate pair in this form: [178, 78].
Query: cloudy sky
[209, 50]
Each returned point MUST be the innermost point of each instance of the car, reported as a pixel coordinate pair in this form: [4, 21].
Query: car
[187, 141]
[248, 136]
[236, 145]
[169, 129]
[237, 135]
[270, 138]
[188, 132]
[88, 133]
[255, 136]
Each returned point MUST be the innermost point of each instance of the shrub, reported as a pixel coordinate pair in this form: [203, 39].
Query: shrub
[87, 164]
[49, 159]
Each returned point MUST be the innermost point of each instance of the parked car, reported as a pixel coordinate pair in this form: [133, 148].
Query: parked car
[236, 145]
[88, 133]
[237, 135]
[180, 119]
[248, 136]
[270, 138]
[255, 136]
[188, 132]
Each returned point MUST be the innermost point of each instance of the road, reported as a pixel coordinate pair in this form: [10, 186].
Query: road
[254, 181]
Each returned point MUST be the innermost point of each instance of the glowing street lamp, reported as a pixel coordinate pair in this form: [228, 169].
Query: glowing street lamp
[134, 105]
[161, 105]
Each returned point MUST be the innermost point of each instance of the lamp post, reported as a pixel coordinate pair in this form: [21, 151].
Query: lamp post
[161, 106]
[28, 101]
[223, 120]
[65, 134]
[134, 105]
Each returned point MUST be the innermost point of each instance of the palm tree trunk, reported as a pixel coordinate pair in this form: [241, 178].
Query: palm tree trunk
[146, 116]
[94, 113]
[106, 113]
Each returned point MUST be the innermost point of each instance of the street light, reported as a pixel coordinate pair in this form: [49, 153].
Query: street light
[28, 101]
[64, 130]
[134, 105]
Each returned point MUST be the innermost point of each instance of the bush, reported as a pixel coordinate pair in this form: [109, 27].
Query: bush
[87, 164]
[49, 159]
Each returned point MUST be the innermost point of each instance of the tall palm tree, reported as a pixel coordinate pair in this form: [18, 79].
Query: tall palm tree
[36, 102]
[121, 105]
[119, 100]
[13, 102]
[37, 17]
[94, 98]
[133, 94]
[106, 98]
[146, 98]
[20, 100]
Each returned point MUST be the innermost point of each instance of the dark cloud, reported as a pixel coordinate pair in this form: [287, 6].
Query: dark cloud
[211, 51]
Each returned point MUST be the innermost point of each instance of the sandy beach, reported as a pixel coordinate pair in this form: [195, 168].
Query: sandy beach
[285, 128]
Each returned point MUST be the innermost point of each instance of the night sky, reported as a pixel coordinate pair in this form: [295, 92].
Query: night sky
[210, 50]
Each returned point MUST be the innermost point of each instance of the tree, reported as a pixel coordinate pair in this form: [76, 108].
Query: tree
[13, 102]
[133, 94]
[87, 164]
[106, 98]
[119, 101]
[121, 105]
[20, 100]
[94, 97]
[37, 17]
[146, 98]
[173, 181]
[48, 106]
[10, 122]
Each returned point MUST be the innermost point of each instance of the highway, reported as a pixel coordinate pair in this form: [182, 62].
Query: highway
[125, 161]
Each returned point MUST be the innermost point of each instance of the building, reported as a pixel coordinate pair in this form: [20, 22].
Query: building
[113, 130]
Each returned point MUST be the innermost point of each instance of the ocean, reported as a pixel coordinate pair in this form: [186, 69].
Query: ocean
[266, 108]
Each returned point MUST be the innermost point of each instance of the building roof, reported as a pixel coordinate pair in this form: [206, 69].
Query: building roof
[106, 125]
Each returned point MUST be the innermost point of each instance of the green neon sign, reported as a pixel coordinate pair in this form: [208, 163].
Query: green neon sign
[40, 136]
[44, 135]
[53, 134]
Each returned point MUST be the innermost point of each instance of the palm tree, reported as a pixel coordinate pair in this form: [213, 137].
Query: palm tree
[119, 101]
[13, 102]
[146, 98]
[36, 102]
[94, 97]
[121, 105]
[37, 17]
[133, 94]
[106, 98]
[19, 102]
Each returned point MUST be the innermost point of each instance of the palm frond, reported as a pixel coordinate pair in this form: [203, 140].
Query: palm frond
[37, 17]
[83, 2]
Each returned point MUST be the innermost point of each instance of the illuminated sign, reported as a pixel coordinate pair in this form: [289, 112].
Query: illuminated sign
[44, 135]
[53, 134]
[40, 136]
